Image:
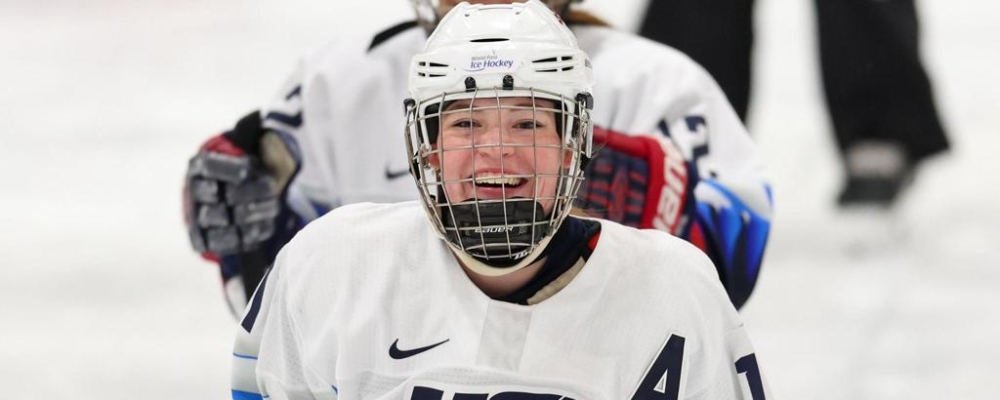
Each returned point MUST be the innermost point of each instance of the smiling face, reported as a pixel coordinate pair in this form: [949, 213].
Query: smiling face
[495, 153]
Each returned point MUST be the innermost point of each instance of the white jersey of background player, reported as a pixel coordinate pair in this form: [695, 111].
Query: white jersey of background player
[703, 181]
[430, 301]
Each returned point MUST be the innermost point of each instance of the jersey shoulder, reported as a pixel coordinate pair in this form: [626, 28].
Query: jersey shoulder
[399, 40]
[622, 51]
[355, 221]
[657, 274]
[356, 231]
[662, 257]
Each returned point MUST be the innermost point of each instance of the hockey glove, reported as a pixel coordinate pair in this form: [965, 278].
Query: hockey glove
[645, 182]
[640, 181]
[234, 201]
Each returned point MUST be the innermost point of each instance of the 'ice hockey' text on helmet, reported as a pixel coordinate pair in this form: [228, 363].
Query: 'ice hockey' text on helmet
[482, 59]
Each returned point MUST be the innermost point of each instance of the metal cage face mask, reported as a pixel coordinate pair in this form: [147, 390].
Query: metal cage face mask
[498, 169]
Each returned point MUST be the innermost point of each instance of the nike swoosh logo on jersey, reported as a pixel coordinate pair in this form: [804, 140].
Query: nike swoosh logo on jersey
[390, 174]
[398, 354]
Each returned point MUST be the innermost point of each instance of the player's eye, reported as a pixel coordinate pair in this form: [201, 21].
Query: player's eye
[529, 124]
[465, 124]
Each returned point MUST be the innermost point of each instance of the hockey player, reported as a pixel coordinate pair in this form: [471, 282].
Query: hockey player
[672, 155]
[486, 288]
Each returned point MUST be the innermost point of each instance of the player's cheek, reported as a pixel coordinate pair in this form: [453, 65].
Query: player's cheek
[456, 164]
[434, 160]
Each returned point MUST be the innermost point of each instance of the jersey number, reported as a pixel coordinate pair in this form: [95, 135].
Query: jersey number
[663, 380]
[748, 367]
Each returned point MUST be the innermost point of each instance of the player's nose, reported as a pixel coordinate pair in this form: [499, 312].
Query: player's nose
[494, 142]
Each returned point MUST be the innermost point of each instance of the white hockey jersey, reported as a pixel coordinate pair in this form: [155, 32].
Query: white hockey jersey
[368, 303]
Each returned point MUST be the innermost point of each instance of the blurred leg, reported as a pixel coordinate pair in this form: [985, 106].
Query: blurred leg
[877, 92]
[718, 34]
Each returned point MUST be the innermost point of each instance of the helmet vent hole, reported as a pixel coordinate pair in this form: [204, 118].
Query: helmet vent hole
[555, 64]
[553, 59]
[429, 69]
[556, 69]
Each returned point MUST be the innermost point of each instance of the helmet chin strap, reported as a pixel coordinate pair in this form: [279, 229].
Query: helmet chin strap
[482, 268]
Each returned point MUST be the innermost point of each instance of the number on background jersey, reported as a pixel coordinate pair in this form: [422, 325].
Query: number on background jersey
[748, 366]
[663, 380]
[695, 140]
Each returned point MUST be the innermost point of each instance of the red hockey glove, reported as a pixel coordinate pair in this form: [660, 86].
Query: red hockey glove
[640, 181]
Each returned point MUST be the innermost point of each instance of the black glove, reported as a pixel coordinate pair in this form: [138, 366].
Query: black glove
[234, 198]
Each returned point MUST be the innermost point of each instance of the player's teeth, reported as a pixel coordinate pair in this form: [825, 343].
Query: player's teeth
[496, 180]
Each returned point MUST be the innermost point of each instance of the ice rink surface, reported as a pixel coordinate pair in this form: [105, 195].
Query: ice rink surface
[103, 101]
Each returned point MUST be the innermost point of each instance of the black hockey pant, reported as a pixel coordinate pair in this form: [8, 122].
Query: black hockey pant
[875, 85]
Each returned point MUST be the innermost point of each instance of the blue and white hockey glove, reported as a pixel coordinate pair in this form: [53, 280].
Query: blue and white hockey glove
[234, 202]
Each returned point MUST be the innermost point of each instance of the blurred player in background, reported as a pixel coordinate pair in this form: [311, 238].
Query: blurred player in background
[486, 287]
[877, 92]
[671, 153]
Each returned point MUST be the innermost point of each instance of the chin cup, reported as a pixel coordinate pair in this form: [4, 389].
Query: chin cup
[498, 233]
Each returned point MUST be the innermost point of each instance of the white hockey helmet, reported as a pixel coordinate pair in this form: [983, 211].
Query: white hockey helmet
[496, 52]
[430, 12]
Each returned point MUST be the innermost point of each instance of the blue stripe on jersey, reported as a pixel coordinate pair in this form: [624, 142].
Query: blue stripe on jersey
[241, 395]
[293, 121]
[251, 316]
[238, 355]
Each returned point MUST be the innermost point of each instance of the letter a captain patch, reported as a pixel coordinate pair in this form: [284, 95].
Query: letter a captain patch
[664, 379]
